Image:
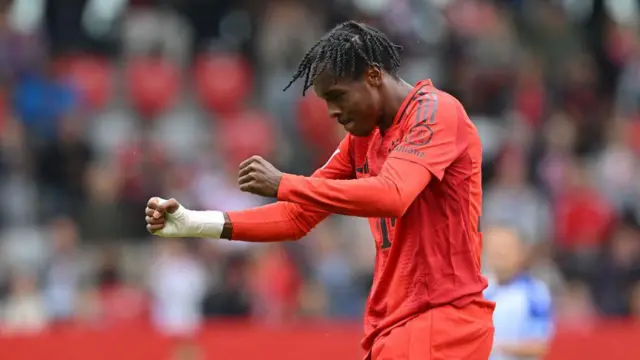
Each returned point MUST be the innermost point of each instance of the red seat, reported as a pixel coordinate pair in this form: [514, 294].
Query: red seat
[153, 84]
[316, 127]
[90, 75]
[245, 134]
[223, 81]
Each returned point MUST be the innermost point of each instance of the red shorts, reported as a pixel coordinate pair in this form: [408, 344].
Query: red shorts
[442, 333]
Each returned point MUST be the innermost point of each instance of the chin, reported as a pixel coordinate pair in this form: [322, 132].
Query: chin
[360, 132]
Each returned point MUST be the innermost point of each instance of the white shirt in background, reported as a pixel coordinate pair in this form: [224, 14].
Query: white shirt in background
[178, 286]
[523, 312]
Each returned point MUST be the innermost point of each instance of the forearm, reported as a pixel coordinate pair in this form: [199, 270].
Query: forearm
[386, 195]
[276, 222]
[345, 197]
[270, 223]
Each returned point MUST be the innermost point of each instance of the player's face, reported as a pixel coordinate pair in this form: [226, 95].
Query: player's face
[353, 103]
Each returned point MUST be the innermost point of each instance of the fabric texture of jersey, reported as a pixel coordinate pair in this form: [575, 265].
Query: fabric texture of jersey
[442, 333]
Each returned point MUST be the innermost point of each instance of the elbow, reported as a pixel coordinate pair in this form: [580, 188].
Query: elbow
[398, 211]
[298, 234]
[393, 208]
[301, 230]
[395, 205]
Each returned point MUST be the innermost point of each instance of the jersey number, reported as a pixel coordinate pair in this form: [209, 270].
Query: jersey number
[386, 226]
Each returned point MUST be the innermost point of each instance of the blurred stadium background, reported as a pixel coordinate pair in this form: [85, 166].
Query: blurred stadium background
[105, 103]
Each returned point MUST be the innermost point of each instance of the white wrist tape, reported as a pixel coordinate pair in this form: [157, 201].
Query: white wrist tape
[205, 224]
[188, 223]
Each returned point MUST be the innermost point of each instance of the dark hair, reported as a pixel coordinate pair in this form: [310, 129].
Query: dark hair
[349, 49]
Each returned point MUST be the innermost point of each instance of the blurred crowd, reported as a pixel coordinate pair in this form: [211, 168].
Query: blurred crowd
[106, 103]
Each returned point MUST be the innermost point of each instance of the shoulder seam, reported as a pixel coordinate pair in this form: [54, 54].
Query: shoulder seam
[416, 93]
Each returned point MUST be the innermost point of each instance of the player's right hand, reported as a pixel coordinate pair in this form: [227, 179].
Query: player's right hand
[166, 218]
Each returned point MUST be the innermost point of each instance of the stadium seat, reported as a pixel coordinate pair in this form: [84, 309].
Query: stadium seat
[90, 75]
[245, 134]
[313, 123]
[223, 81]
[153, 85]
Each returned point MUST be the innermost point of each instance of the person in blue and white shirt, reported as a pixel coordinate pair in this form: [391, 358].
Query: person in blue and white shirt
[523, 315]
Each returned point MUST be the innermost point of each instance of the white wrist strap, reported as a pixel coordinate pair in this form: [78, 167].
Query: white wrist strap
[205, 224]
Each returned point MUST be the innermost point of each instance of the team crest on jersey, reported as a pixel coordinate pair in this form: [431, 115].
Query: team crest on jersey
[420, 134]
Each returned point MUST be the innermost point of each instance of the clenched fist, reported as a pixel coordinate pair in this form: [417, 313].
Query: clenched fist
[258, 176]
[167, 218]
[164, 218]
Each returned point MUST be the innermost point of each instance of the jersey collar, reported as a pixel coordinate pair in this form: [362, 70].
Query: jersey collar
[420, 85]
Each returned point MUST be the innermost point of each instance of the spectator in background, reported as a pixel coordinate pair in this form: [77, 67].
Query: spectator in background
[62, 165]
[616, 281]
[62, 277]
[617, 166]
[276, 285]
[559, 135]
[103, 183]
[628, 92]
[177, 284]
[17, 184]
[24, 310]
[583, 221]
[493, 48]
[634, 304]
[21, 45]
[523, 315]
[75, 24]
[334, 272]
[575, 308]
[279, 48]
[41, 101]
[511, 201]
[88, 312]
[229, 297]
[120, 304]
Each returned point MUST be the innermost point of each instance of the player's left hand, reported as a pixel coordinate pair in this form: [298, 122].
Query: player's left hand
[258, 176]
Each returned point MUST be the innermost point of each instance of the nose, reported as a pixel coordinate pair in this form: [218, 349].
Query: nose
[334, 112]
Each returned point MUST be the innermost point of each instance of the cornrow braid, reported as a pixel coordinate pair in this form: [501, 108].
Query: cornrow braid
[348, 50]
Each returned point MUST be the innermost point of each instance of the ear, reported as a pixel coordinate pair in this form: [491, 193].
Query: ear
[373, 76]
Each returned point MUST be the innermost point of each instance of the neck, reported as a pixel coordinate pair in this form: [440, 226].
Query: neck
[397, 92]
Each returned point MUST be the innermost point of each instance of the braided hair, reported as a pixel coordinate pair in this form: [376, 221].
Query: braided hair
[348, 50]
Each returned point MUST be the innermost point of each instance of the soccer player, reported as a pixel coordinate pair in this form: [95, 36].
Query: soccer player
[523, 318]
[411, 164]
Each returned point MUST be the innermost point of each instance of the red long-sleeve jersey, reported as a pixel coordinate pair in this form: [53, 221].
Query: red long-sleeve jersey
[419, 183]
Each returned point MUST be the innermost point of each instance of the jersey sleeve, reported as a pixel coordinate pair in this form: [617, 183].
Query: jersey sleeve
[434, 133]
[389, 194]
[286, 220]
